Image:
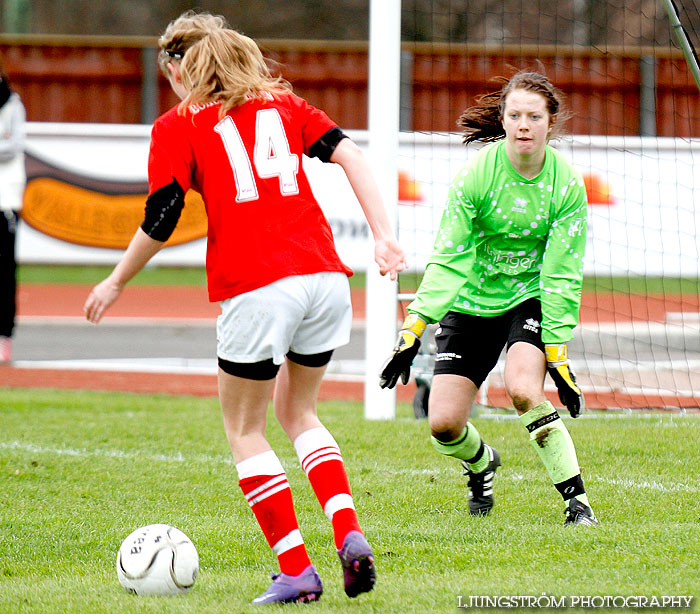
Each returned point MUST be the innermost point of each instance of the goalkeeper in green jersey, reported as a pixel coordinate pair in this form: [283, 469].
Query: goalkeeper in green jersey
[506, 269]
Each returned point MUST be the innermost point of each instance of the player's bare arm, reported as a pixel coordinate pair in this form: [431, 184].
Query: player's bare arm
[141, 249]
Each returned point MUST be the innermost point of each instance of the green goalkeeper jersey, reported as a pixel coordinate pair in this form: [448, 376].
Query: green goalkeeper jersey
[504, 239]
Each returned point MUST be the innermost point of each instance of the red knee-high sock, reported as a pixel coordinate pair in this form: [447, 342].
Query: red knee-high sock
[322, 462]
[264, 484]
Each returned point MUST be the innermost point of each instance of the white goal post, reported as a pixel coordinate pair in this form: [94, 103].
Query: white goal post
[384, 81]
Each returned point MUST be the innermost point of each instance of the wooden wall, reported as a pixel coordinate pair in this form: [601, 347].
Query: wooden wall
[116, 80]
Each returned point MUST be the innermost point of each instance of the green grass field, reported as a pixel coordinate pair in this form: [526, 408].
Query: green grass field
[195, 276]
[92, 274]
[80, 471]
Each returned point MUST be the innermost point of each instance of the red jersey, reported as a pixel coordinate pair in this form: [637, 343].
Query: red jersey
[264, 222]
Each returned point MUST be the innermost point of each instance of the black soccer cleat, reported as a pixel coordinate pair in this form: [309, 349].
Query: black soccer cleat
[481, 484]
[578, 513]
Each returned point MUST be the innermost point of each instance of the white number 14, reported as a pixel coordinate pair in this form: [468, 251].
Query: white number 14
[271, 155]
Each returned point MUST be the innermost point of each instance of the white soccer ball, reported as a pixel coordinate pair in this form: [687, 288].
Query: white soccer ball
[157, 560]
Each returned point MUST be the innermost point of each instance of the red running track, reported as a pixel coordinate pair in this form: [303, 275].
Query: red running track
[185, 302]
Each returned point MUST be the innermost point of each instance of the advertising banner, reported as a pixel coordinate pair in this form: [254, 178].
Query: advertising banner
[87, 186]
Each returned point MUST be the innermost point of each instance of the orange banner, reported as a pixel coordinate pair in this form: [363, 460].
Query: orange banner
[60, 207]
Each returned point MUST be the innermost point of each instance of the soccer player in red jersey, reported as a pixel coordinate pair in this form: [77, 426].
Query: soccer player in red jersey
[238, 137]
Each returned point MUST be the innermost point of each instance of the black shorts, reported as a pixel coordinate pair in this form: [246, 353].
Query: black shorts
[470, 345]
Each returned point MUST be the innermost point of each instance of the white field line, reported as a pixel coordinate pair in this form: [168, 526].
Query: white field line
[641, 326]
[623, 389]
[172, 365]
[636, 391]
[348, 370]
[205, 321]
[628, 484]
[118, 454]
[607, 365]
[512, 476]
[683, 316]
[646, 485]
[185, 366]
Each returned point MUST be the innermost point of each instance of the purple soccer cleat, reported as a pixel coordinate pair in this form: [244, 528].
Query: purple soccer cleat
[356, 557]
[304, 588]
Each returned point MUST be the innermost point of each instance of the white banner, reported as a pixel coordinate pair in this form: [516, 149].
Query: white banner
[644, 194]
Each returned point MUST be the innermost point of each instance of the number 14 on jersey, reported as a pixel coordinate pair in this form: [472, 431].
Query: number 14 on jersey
[272, 156]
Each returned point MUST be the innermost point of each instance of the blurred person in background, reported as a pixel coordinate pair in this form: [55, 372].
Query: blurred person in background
[506, 270]
[238, 137]
[13, 180]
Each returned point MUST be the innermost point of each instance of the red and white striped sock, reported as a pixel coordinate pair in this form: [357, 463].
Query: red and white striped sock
[264, 484]
[322, 462]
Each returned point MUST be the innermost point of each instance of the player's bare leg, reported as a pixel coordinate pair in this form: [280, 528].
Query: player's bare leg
[296, 394]
[524, 376]
[450, 405]
[524, 379]
[244, 407]
[449, 408]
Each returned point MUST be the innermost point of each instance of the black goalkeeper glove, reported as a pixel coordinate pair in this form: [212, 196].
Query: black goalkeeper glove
[407, 345]
[558, 367]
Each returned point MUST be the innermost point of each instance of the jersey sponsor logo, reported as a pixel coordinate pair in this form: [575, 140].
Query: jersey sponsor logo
[519, 205]
[532, 324]
[510, 262]
[443, 356]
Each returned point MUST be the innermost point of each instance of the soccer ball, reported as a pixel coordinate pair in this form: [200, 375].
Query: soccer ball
[157, 560]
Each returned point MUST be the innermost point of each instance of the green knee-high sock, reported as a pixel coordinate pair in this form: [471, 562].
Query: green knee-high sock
[467, 447]
[550, 437]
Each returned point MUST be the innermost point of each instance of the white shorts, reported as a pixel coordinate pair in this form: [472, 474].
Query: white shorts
[307, 314]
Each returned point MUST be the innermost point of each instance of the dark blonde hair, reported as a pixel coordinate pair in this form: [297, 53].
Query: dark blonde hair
[483, 121]
[217, 63]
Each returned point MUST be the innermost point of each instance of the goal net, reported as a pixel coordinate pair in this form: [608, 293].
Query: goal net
[633, 135]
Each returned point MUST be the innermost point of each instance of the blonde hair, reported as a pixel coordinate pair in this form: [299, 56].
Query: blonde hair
[217, 64]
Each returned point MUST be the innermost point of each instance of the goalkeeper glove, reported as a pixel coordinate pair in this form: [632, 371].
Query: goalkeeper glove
[407, 345]
[558, 367]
